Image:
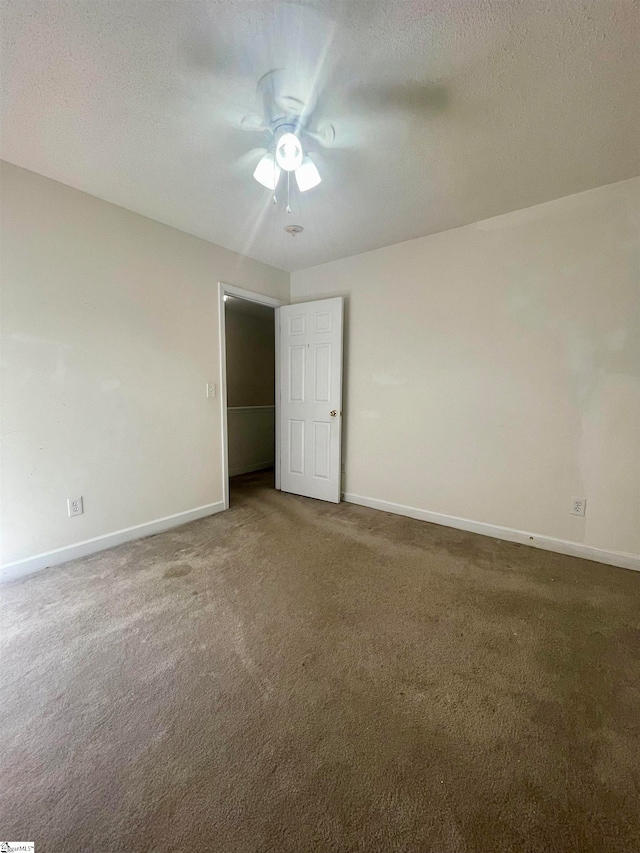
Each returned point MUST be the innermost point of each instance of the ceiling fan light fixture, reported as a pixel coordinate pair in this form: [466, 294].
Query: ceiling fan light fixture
[267, 172]
[307, 175]
[289, 152]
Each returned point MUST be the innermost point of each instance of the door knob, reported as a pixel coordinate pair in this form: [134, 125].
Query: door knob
[333, 413]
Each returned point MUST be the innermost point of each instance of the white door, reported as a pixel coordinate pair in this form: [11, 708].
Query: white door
[311, 398]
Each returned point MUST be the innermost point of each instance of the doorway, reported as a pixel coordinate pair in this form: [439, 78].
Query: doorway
[248, 383]
[299, 431]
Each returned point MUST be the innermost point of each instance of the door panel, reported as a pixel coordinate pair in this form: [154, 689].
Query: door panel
[297, 359]
[296, 447]
[322, 373]
[321, 450]
[311, 381]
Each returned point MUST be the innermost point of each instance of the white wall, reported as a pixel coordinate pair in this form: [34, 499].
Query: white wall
[110, 335]
[492, 371]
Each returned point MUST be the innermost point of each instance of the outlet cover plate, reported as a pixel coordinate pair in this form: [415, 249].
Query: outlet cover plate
[75, 506]
[578, 506]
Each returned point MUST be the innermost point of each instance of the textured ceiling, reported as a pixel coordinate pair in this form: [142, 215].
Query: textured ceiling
[445, 112]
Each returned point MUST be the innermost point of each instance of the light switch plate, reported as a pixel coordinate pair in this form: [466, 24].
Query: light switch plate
[211, 389]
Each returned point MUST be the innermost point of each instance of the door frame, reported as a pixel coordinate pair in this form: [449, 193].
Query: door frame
[250, 296]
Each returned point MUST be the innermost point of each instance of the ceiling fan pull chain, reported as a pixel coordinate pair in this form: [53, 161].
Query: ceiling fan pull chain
[288, 195]
[275, 180]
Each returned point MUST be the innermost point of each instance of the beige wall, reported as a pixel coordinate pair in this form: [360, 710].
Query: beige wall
[250, 359]
[109, 338]
[492, 371]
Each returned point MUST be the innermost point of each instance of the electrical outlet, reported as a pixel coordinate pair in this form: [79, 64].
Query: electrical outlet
[75, 506]
[578, 506]
[211, 389]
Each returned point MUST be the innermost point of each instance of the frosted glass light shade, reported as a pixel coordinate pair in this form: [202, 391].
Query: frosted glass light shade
[289, 152]
[267, 172]
[307, 176]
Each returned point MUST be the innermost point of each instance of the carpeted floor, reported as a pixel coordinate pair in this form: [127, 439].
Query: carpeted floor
[294, 676]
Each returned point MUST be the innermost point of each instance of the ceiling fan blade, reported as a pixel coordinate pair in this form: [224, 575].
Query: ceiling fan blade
[250, 158]
[223, 59]
[324, 134]
[253, 123]
[247, 162]
[419, 99]
[286, 95]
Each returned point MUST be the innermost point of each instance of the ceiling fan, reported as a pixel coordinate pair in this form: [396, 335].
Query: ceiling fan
[305, 87]
[286, 122]
[294, 124]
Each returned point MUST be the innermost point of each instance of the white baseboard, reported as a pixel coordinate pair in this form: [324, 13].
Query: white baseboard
[247, 469]
[20, 568]
[547, 543]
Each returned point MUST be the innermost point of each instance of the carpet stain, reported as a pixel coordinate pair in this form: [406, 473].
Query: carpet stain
[177, 571]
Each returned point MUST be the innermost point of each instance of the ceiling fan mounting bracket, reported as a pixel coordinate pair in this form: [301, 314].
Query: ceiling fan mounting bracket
[287, 126]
